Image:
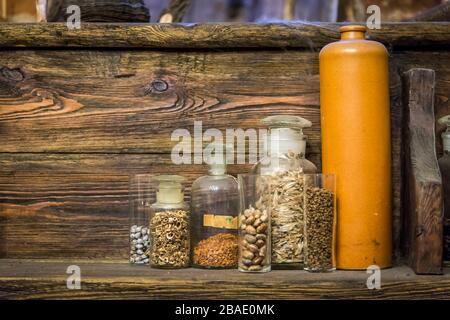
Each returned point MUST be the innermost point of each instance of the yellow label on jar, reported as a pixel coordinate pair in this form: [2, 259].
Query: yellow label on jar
[219, 221]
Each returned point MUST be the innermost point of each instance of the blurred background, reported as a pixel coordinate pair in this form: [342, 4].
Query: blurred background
[223, 10]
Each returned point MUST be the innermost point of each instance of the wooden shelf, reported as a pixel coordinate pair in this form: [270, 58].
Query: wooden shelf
[28, 279]
[212, 35]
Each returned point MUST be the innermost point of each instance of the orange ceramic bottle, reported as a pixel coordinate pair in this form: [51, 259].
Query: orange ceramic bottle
[356, 146]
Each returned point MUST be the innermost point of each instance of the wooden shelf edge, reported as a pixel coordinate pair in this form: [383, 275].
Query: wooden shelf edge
[28, 279]
[225, 35]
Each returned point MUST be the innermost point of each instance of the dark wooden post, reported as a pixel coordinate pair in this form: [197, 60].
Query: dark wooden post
[100, 10]
[423, 195]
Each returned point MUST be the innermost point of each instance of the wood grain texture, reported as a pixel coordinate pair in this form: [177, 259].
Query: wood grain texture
[76, 206]
[70, 216]
[86, 118]
[70, 154]
[24, 279]
[84, 90]
[60, 129]
[423, 185]
[196, 36]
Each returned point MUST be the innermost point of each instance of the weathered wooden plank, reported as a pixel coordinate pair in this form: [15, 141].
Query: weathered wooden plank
[439, 62]
[195, 79]
[87, 93]
[72, 205]
[70, 97]
[84, 91]
[22, 279]
[105, 83]
[219, 36]
[59, 101]
[400, 63]
[423, 185]
[64, 216]
[35, 164]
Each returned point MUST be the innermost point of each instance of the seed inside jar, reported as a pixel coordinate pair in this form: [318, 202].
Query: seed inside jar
[253, 255]
[169, 231]
[217, 251]
[284, 191]
[139, 244]
[319, 216]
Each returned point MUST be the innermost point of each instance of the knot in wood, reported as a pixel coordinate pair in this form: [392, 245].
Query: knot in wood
[159, 85]
[12, 74]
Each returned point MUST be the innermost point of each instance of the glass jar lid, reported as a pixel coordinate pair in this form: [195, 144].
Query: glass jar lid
[170, 188]
[283, 121]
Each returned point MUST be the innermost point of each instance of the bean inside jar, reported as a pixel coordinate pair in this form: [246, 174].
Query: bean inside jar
[254, 242]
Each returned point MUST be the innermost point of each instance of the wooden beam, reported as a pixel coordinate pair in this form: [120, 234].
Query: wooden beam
[218, 36]
[423, 195]
[27, 279]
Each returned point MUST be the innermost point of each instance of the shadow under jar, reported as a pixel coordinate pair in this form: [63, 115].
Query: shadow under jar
[254, 225]
[169, 225]
[320, 222]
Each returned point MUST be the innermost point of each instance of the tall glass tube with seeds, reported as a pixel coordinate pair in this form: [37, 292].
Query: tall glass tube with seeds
[140, 201]
[254, 225]
[169, 224]
[320, 222]
[284, 166]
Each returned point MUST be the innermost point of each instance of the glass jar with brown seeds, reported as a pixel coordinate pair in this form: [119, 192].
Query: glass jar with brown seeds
[320, 222]
[214, 217]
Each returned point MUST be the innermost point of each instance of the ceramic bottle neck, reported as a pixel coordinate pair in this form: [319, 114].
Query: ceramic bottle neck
[353, 32]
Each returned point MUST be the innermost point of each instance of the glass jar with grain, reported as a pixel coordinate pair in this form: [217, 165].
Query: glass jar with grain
[284, 166]
[320, 222]
[169, 224]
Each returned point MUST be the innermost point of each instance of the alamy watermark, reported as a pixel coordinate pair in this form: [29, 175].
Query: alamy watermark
[212, 146]
[73, 281]
[374, 20]
[74, 18]
[374, 280]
